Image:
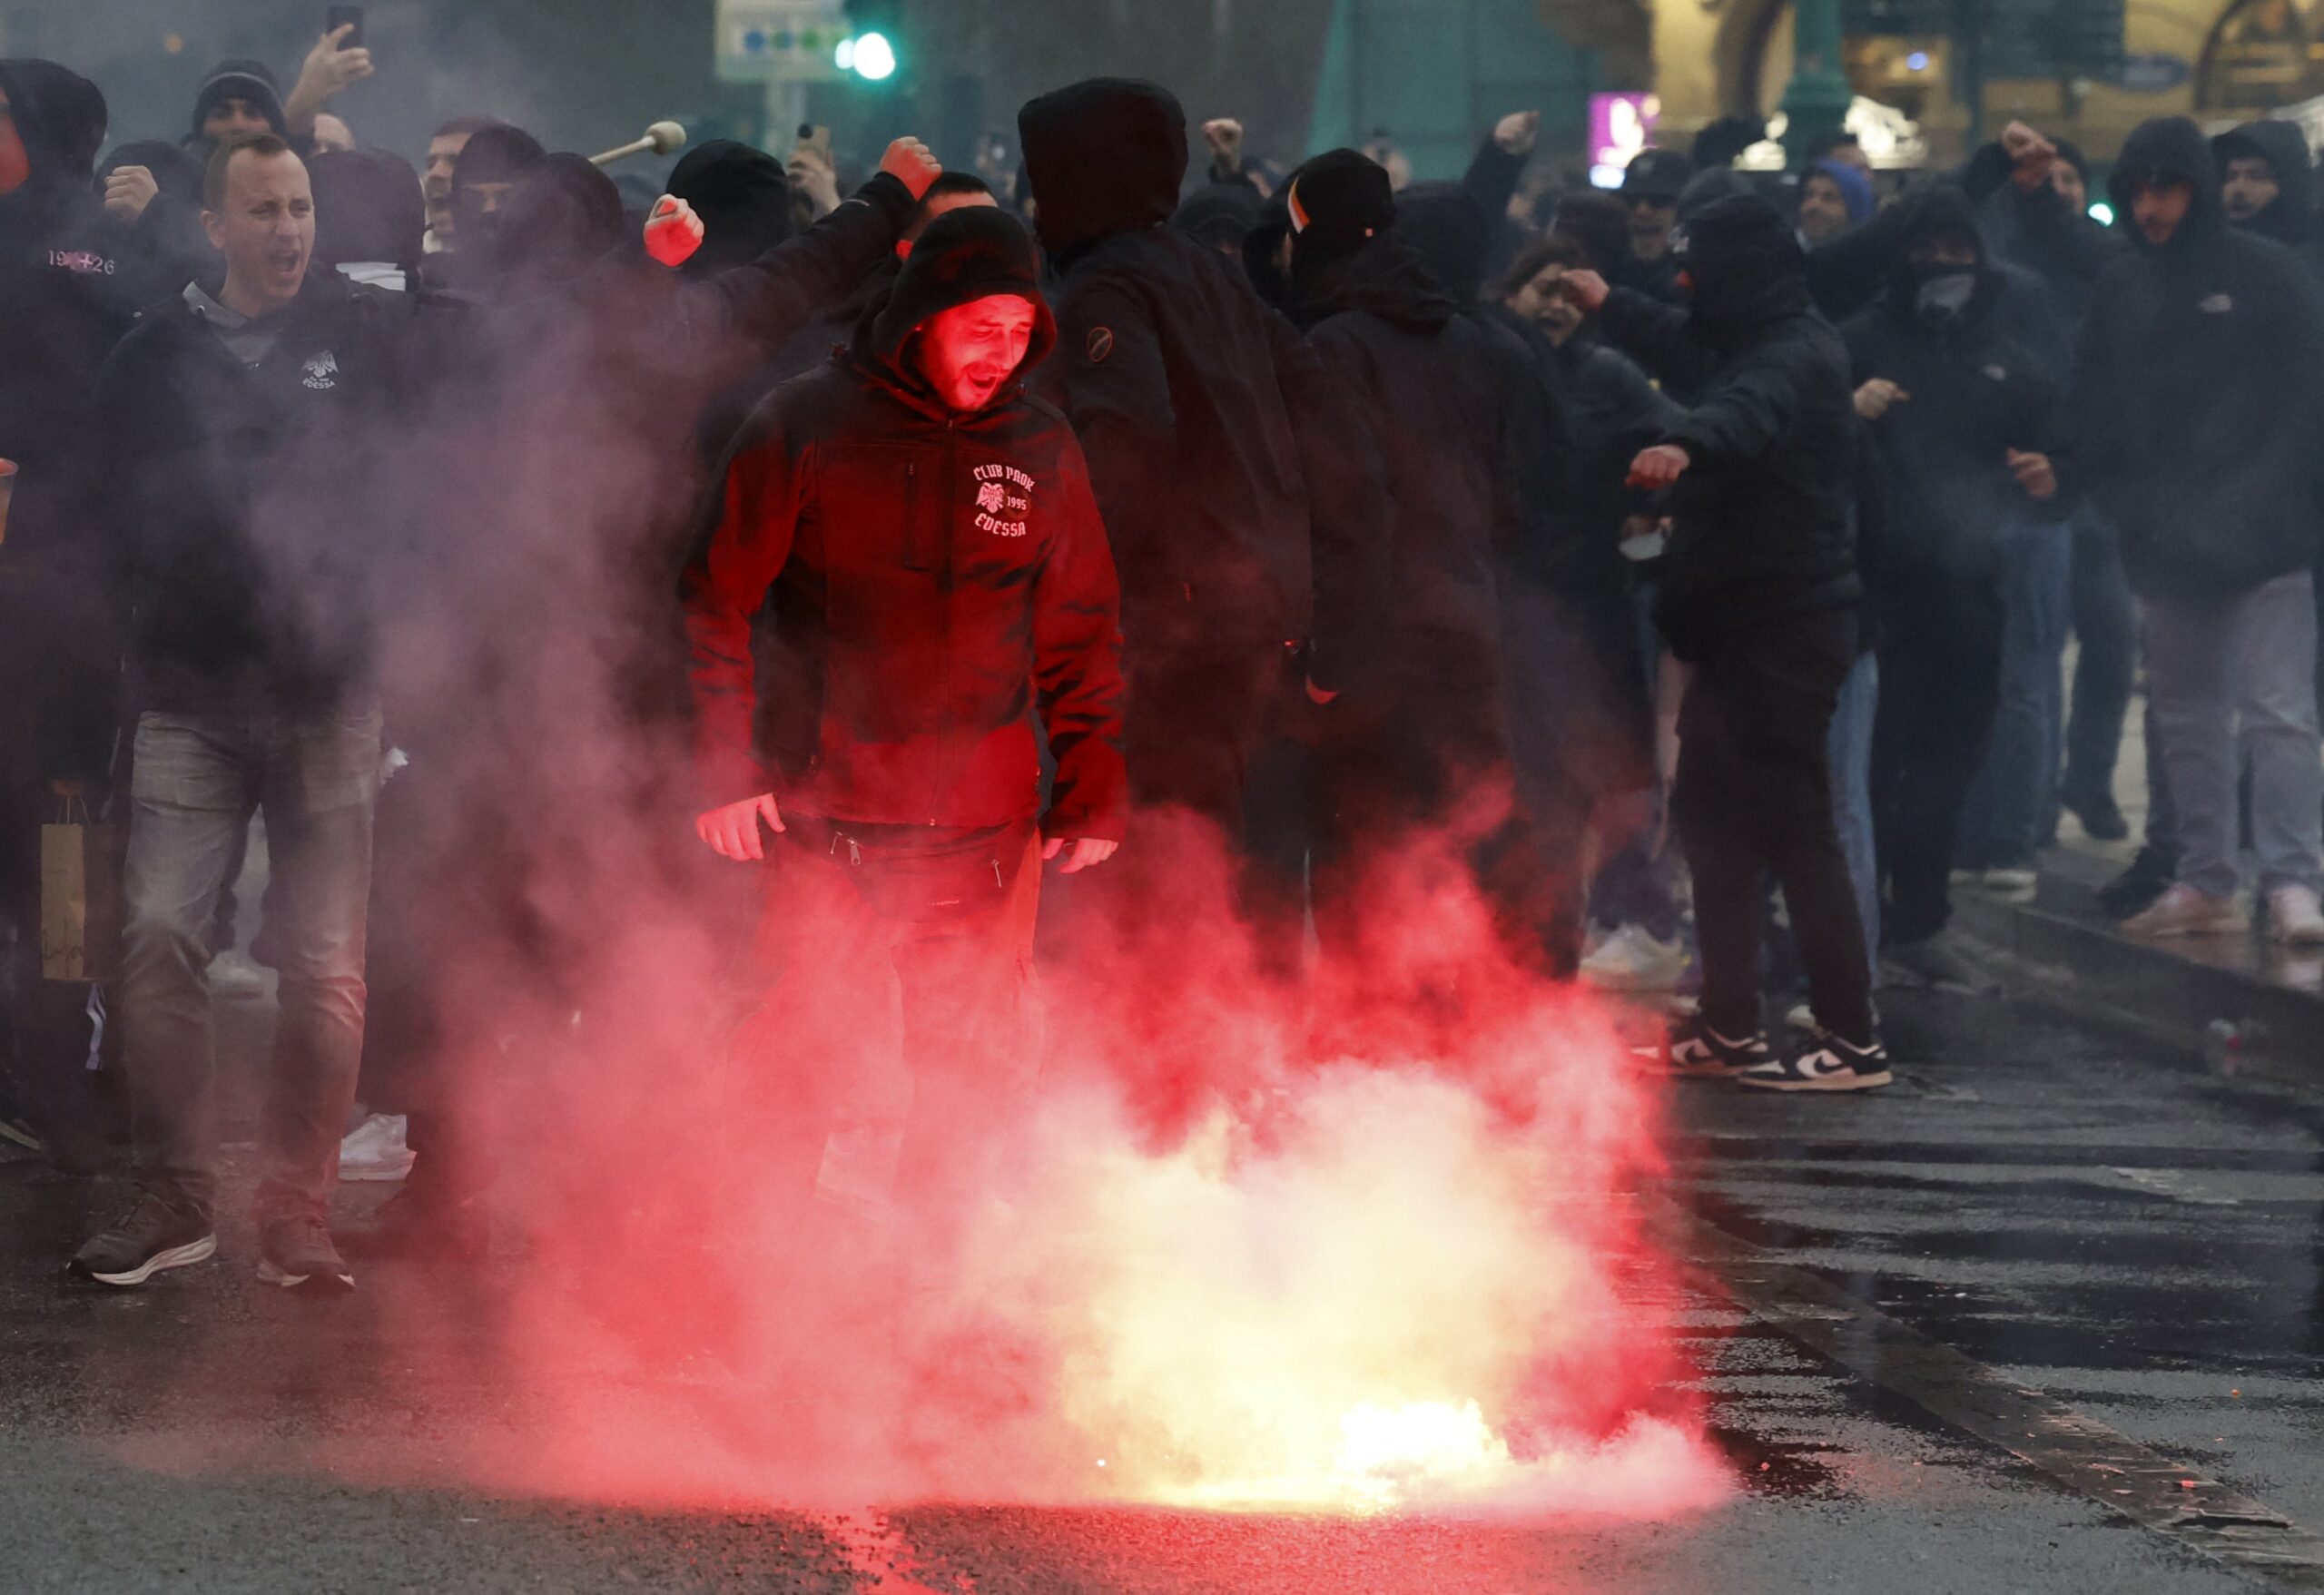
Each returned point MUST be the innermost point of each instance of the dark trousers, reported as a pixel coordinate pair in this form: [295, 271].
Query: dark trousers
[1940, 685]
[1753, 800]
[1412, 758]
[854, 934]
[198, 779]
[2105, 626]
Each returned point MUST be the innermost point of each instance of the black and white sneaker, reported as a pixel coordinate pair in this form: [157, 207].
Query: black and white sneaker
[153, 1235]
[1693, 1050]
[1822, 1062]
[295, 1251]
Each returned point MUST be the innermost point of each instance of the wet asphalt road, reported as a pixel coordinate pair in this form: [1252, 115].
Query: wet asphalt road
[2103, 1268]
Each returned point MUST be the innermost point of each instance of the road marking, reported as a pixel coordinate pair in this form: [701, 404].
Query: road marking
[2085, 1456]
[882, 1559]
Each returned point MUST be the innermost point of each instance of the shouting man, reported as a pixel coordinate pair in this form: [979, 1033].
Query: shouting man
[938, 566]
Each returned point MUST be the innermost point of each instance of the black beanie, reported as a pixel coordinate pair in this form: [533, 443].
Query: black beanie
[560, 220]
[1338, 200]
[240, 80]
[367, 207]
[971, 253]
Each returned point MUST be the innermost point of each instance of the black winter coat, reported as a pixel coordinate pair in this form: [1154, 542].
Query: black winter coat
[1760, 529]
[1444, 398]
[244, 502]
[2199, 394]
[1210, 430]
[1940, 456]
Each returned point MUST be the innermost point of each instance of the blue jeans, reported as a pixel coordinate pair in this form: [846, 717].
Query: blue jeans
[1851, 744]
[2014, 802]
[197, 780]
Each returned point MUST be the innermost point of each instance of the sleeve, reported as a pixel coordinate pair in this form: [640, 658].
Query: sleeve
[1652, 333]
[725, 584]
[1078, 667]
[742, 317]
[1349, 509]
[1847, 275]
[1115, 389]
[1741, 417]
[1491, 179]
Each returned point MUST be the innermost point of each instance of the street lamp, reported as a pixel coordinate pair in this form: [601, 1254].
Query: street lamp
[1817, 102]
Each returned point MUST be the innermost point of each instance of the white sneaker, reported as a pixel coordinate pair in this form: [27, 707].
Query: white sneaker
[1632, 961]
[375, 1150]
[2296, 917]
[2009, 879]
[2184, 911]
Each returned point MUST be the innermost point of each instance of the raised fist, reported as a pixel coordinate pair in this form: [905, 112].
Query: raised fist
[910, 162]
[672, 232]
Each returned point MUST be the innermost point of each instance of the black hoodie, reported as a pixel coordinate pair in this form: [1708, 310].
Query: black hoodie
[1760, 530]
[2290, 217]
[936, 576]
[1940, 457]
[2197, 389]
[1201, 413]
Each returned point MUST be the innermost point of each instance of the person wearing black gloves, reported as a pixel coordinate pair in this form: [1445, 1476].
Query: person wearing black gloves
[1759, 596]
[914, 517]
[1962, 419]
[2195, 398]
[1439, 393]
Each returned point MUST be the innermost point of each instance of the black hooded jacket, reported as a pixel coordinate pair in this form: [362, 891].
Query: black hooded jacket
[2198, 391]
[935, 576]
[1208, 426]
[1760, 520]
[2290, 217]
[246, 502]
[1940, 456]
[1441, 393]
[70, 276]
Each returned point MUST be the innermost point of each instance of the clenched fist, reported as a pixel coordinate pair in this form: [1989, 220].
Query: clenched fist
[910, 162]
[672, 232]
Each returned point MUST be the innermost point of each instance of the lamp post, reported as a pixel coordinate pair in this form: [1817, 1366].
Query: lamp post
[1817, 102]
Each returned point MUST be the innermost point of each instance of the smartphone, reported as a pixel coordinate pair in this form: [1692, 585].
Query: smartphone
[818, 138]
[340, 16]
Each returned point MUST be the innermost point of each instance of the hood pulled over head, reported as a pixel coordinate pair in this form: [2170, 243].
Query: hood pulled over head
[2167, 149]
[60, 118]
[1104, 155]
[2289, 217]
[743, 197]
[1450, 233]
[562, 218]
[978, 252]
[1744, 263]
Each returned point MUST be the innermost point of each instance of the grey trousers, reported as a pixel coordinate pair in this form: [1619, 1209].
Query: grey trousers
[197, 780]
[2244, 666]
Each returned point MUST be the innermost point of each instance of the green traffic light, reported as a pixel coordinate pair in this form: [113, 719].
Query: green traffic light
[874, 57]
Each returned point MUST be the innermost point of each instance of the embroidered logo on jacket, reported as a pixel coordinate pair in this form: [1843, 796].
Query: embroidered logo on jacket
[1002, 491]
[322, 372]
[2217, 304]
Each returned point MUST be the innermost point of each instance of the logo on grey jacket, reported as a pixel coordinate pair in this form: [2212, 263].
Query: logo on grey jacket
[322, 372]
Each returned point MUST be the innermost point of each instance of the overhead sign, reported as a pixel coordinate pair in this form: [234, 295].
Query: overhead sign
[781, 41]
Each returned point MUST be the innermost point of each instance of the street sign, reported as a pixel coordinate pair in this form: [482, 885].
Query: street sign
[780, 41]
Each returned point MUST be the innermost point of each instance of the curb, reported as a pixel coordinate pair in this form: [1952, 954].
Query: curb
[2235, 1022]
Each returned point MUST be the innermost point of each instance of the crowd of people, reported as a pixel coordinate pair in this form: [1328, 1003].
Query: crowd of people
[1696, 559]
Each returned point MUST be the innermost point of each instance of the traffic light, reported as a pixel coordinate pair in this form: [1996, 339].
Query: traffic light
[874, 51]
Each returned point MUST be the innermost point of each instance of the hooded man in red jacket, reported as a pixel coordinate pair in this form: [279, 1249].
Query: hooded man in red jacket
[927, 534]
